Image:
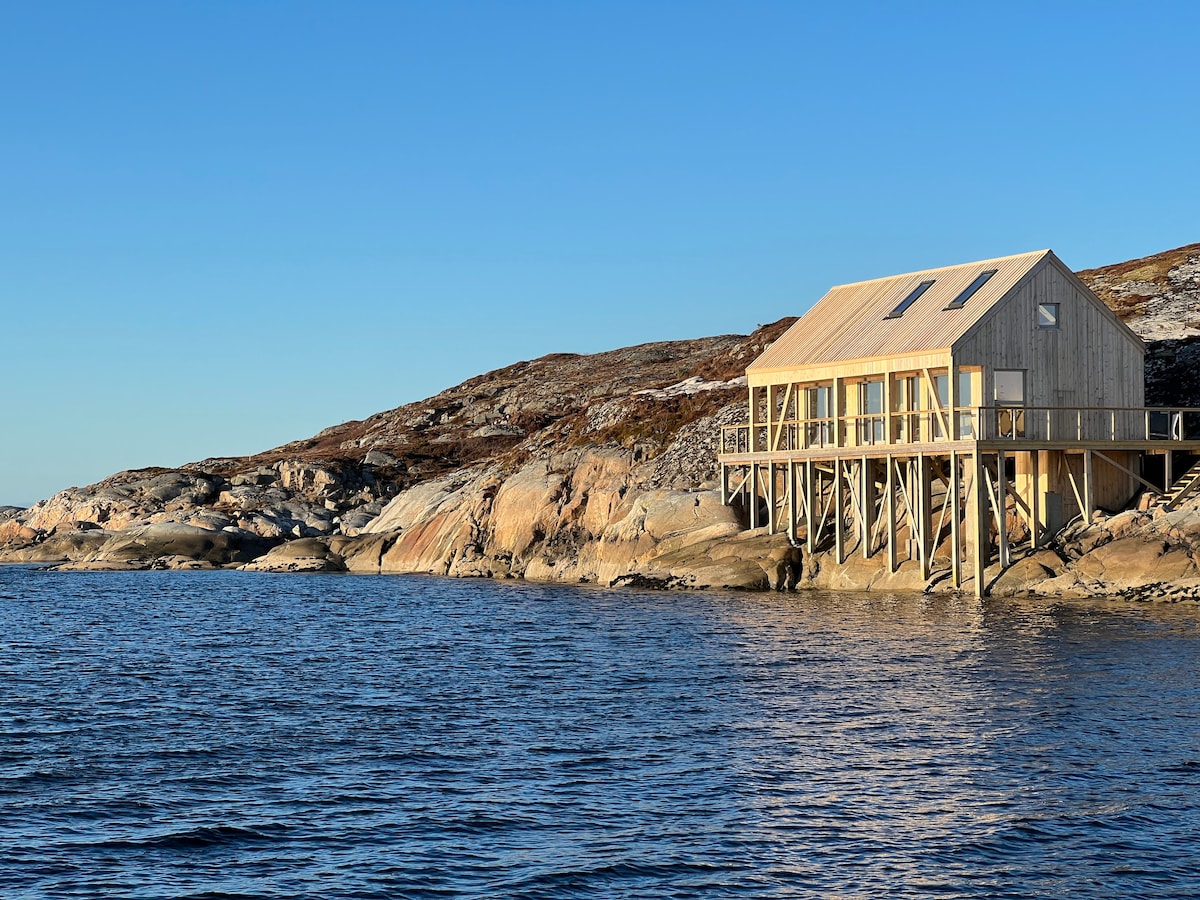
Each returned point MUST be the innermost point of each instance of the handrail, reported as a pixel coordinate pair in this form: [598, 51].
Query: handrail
[1010, 423]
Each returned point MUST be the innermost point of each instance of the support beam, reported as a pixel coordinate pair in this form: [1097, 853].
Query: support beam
[777, 434]
[752, 440]
[866, 506]
[837, 409]
[904, 484]
[952, 398]
[1002, 510]
[924, 500]
[772, 499]
[839, 512]
[752, 496]
[793, 500]
[888, 408]
[938, 402]
[1035, 499]
[981, 538]
[1136, 477]
[811, 495]
[1065, 464]
[1089, 486]
[956, 514]
[890, 502]
[770, 416]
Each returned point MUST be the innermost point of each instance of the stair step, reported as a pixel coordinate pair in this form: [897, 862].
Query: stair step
[1183, 486]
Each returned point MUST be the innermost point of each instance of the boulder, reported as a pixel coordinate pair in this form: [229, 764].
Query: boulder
[1028, 575]
[303, 555]
[62, 547]
[362, 553]
[1132, 562]
[141, 547]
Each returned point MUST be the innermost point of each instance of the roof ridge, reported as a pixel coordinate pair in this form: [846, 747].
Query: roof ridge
[979, 262]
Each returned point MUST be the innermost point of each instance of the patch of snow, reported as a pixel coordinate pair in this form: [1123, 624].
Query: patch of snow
[690, 386]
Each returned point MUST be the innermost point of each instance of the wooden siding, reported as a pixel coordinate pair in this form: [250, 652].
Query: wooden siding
[1091, 359]
[853, 369]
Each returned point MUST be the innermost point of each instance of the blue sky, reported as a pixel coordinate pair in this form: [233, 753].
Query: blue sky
[229, 225]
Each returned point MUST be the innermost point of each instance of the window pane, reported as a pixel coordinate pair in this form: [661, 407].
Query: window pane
[1047, 315]
[873, 397]
[1010, 386]
[965, 393]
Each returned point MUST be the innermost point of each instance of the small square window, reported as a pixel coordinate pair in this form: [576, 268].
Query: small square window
[1047, 315]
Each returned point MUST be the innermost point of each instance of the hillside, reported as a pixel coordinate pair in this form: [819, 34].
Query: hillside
[595, 468]
[1158, 296]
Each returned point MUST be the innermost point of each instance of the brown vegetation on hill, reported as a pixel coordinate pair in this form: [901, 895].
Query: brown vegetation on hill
[598, 468]
[1127, 287]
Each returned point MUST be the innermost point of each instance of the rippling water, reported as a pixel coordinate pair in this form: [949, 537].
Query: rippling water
[229, 735]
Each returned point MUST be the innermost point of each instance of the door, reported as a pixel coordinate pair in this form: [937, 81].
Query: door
[908, 404]
[1009, 395]
[820, 413]
[870, 406]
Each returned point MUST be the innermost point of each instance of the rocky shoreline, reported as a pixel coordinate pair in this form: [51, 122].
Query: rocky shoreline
[587, 469]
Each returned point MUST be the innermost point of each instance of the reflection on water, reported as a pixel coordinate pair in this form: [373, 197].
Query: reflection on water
[237, 735]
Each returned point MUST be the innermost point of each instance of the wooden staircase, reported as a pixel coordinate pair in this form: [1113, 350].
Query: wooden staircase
[1186, 485]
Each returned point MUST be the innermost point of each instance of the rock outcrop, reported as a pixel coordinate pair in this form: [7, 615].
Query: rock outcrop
[566, 467]
[597, 469]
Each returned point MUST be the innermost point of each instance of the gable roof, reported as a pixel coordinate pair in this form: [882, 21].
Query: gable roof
[851, 321]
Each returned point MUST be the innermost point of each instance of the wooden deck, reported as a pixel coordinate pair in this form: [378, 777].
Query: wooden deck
[853, 480]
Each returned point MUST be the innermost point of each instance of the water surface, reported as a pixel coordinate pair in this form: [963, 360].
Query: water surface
[232, 735]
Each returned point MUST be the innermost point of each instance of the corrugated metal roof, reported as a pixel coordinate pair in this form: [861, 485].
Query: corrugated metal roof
[850, 322]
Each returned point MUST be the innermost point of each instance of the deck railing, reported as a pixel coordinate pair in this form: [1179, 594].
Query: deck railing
[984, 423]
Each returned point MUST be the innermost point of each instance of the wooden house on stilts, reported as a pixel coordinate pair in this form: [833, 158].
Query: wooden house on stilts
[951, 413]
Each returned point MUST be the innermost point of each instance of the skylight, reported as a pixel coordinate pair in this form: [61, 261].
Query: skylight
[969, 291]
[909, 300]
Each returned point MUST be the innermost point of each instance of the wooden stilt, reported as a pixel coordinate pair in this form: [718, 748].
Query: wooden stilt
[1035, 499]
[956, 515]
[1088, 487]
[839, 512]
[924, 500]
[866, 491]
[811, 501]
[793, 511]
[1002, 510]
[752, 495]
[980, 533]
[890, 502]
[772, 498]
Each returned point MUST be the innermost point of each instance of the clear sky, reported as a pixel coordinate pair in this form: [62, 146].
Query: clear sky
[224, 226]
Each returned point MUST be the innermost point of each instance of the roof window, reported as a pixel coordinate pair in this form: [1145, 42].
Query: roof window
[969, 291]
[909, 300]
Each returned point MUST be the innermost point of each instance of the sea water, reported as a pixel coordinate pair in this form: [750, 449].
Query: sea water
[236, 735]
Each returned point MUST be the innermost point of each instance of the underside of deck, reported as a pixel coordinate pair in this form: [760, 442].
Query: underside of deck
[965, 501]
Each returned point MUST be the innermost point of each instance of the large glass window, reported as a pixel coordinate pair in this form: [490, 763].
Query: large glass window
[870, 405]
[908, 403]
[1010, 387]
[820, 409]
[940, 401]
[1009, 391]
[965, 398]
[963, 401]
